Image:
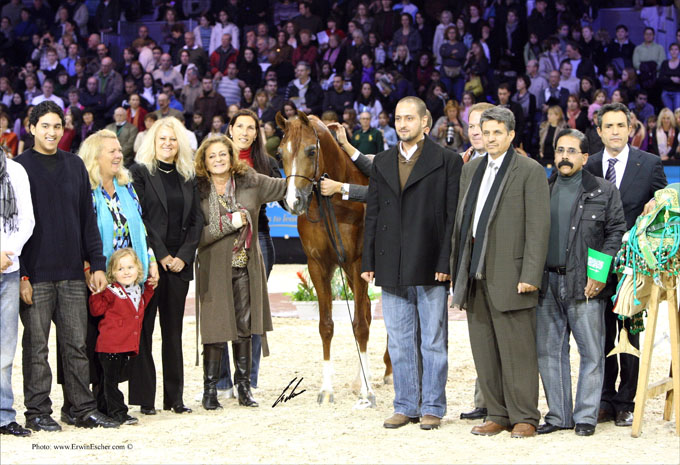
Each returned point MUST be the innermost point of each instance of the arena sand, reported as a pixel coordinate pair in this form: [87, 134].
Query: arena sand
[301, 431]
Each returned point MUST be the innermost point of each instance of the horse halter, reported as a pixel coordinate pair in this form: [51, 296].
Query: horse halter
[313, 181]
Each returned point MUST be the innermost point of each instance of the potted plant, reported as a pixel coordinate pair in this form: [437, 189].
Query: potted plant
[306, 302]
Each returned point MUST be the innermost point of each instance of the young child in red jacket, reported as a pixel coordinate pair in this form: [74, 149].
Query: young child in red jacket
[122, 303]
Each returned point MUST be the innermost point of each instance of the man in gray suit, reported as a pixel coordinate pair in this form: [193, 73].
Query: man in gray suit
[126, 134]
[498, 251]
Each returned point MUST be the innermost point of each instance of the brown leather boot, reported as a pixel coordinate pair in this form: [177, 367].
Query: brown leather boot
[489, 428]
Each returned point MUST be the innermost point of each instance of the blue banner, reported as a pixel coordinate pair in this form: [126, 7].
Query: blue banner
[281, 223]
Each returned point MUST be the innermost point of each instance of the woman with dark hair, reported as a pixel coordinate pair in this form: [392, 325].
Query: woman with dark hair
[17, 111]
[203, 31]
[629, 82]
[367, 68]
[424, 72]
[149, 92]
[532, 49]
[407, 35]
[453, 53]
[577, 117]
[289, 109]
[232, 283]
[587, 90]
[248, 141]
[247, 97]
[426, 30]
[249, 70]
[352, 76]
[283, 50]
[527, 101]
[363, 18]
[326, 75]
[368, 101]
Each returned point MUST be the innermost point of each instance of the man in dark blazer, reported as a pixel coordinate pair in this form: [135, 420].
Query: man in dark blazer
[637, 175]
[498, 252]
[412, 198]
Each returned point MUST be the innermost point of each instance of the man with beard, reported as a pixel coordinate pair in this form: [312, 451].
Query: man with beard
[412, 198]
[585, 212]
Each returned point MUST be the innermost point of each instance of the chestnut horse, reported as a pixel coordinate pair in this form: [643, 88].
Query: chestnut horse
[308, 150]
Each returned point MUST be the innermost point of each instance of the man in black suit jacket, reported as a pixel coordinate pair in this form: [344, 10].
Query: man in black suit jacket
[637, 175]
[412, 199]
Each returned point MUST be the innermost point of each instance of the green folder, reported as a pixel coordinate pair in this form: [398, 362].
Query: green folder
[598, 265]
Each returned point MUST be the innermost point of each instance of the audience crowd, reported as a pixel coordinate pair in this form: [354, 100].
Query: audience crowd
[548, 64]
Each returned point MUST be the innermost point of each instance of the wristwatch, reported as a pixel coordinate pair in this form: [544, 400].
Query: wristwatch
[344, 189]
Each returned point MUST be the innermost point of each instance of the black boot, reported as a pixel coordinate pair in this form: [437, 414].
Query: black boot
[243, 358]
[212, 356]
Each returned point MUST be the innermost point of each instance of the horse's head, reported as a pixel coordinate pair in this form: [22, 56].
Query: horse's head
[299, 151]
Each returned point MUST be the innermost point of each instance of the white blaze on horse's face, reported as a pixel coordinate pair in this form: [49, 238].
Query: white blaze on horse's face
[291, 194]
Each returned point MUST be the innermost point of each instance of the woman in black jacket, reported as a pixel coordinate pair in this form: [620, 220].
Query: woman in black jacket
[164, 182]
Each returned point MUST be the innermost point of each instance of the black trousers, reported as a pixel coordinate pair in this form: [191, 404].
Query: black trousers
[622, 399]
[113, 369]
[168, 301]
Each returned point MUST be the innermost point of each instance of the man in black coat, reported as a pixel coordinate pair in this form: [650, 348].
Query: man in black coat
[516, 109]
[637, 175]
[412, 198]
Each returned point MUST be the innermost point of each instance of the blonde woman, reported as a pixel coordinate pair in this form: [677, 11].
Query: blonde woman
[664, 141]
[164, 180]
[548, 132]
[450, 130]
[232, 286]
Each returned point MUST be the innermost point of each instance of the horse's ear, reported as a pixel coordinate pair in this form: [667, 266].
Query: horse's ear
[281, 121]
[303, 116]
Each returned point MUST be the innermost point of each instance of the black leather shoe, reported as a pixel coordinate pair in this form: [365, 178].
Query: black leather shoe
[476, 414]
[179, 409]
[129, 420]
[624, 418]
[15, 429]
[43, 423]
[68, 418]
[147, 410]
[604, 415]
[96, 419]
[547, 428]
[584, 429]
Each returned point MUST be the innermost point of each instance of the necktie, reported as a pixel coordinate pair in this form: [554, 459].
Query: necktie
[484, 188]
[611, 172]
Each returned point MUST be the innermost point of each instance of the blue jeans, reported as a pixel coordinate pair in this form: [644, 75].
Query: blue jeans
[268, 255]
[556, 317]
[416, 319]
[670, 99]
[9, 329]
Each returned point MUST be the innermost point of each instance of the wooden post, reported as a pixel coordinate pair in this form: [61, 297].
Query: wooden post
[671, 385]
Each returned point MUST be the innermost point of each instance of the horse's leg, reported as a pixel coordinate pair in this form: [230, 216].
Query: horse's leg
[361, 326]
[388, 378]
[321, 274]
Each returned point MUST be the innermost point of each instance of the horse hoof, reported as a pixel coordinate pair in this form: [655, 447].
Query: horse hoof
[325, 397]
[389, 379]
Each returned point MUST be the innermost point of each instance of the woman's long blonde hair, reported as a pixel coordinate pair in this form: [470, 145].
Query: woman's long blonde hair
[89, 152]
[146, 155]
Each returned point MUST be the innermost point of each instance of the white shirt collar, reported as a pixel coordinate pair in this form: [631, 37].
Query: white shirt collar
[622, 157]
[409, 153]
[497, 162]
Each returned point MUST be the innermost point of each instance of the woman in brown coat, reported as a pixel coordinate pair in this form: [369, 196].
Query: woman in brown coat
[231, 286]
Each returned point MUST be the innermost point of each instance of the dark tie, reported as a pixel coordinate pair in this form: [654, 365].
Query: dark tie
[611, 172]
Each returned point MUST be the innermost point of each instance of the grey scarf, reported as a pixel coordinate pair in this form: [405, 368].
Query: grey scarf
[9, 211]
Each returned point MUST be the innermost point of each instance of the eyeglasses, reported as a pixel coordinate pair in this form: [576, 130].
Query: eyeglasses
[570, 151]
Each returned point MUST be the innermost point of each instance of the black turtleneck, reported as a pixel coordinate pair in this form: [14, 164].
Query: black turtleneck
[175, 198]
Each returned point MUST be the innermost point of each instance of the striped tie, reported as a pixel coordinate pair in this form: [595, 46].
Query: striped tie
[611, 172]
